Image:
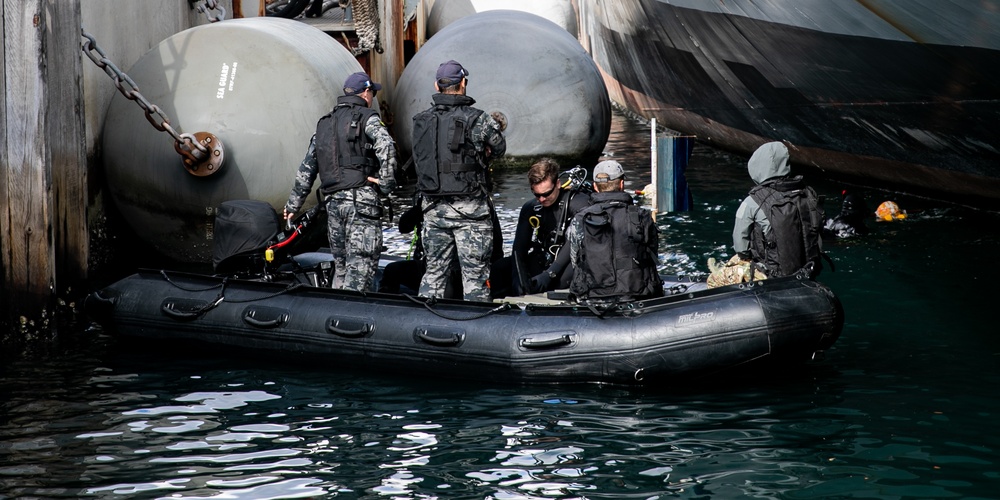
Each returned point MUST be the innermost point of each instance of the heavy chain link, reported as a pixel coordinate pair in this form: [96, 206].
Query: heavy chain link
[185, 144]
[208, 7]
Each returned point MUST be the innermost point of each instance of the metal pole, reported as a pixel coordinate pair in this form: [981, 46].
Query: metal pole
[654, 161]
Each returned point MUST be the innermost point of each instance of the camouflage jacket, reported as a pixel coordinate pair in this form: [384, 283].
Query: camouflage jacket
[385, 151]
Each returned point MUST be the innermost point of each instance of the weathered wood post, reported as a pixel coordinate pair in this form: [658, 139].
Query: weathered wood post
[43, 181]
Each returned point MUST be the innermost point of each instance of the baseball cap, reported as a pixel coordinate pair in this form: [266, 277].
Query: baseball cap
[451, 72]
[608, 170]
[358, 82]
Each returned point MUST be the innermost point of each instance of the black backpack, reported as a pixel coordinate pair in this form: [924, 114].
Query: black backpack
[796, 218]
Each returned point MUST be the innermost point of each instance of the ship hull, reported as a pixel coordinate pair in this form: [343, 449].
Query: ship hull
[857, 89]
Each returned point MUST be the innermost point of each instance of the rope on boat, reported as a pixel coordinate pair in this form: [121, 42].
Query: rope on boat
[428, 303]
[164, 274]
[289, 288]
[222, 293]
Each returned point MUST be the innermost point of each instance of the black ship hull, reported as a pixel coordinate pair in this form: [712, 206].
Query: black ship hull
[897, 94]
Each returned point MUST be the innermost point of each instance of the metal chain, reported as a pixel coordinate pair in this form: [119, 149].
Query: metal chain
[209, 6]
[185, 144]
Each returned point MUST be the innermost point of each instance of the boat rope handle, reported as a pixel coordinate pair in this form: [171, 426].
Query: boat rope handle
[168, 309]
[332, 326]
[428, 304]
[530, 343]
[424, 335]
[250, 319]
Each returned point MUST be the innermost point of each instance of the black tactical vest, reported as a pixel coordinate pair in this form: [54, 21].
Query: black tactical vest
[344, 153]
[796, 219]
[617, 257]
[445, 158]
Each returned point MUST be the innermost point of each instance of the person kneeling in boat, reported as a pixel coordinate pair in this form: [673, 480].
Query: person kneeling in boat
[778, 224]
[538, 250]
[613, 244]
[355, 158]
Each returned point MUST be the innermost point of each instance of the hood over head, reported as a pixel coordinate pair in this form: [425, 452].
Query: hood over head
[769, 160]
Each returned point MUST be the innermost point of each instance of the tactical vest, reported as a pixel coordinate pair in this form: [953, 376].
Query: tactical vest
[444, 155]
[617, 255]
[344, 153]
[796, 219]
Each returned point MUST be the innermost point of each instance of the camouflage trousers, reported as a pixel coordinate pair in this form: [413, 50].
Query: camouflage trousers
[355, 230]
[461, 231]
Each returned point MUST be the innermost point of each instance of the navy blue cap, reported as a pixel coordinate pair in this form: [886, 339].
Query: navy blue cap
[451, 72]
[358, 82]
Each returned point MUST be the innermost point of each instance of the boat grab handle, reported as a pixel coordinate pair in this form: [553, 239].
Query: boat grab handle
[264, 317]
[185, 309]
[267, 323]
[333, 326]
[530, 343]
[455, 338]
[168, 309]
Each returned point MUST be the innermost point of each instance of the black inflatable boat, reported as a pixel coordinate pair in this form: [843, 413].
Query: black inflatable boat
[701, 332]
[281, 311]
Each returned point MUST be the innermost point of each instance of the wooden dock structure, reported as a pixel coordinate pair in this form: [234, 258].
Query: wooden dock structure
[43, 183]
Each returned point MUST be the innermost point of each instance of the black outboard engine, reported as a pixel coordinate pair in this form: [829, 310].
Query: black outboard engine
[250, 244]
[244, 229]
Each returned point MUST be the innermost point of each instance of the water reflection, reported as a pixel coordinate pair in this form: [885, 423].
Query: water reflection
[204, 428]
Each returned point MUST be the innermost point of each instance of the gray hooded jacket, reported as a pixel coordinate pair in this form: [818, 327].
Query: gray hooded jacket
[768, 161]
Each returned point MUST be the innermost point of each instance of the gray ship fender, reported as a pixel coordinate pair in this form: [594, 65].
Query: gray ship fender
[523, 66]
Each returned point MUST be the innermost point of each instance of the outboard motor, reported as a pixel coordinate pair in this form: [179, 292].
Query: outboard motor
[244, 229]
[250, 243]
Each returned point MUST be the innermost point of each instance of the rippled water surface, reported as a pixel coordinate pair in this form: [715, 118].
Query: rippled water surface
[903, 406]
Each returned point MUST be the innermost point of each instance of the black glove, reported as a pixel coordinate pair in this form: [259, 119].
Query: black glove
[540, 282]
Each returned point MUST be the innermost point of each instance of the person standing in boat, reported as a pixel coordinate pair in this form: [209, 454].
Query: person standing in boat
[355, 158]
[778, 225]
[539, 253]
[613, 244]
[453, 143]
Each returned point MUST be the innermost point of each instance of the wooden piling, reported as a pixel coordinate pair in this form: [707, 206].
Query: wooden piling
[43, 181]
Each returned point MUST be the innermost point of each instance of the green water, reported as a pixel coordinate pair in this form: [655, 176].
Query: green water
[903, 406]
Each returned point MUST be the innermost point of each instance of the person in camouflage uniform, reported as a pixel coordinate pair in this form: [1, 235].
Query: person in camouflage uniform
[453, 144]
[355, 159]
